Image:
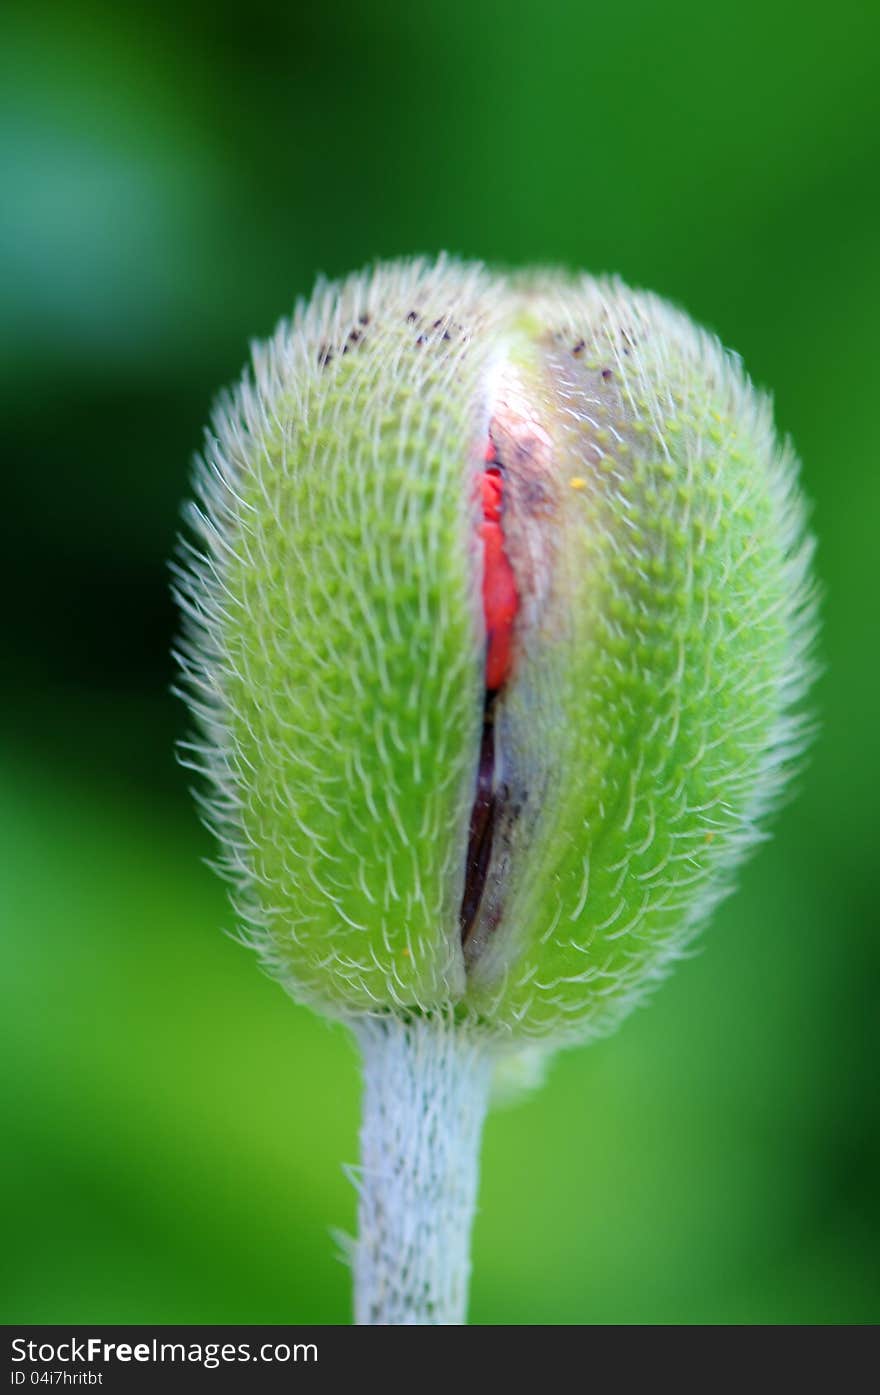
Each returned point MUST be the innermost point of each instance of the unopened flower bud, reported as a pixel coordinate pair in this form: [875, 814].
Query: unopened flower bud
[496, 630]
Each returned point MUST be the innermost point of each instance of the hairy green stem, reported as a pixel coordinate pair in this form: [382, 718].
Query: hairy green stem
[426, 1085]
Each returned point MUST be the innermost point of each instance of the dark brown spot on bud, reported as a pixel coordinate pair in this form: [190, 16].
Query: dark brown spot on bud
[482, 828]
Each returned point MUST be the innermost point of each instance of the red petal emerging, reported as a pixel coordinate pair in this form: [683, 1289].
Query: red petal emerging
[500, 599]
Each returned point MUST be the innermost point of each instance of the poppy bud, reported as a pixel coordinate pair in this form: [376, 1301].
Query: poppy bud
[495, 633]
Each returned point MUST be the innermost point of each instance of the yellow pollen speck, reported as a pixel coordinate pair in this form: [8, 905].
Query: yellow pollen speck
[577, 483]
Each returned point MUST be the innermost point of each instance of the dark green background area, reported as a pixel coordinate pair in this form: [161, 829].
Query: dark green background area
[172, 179]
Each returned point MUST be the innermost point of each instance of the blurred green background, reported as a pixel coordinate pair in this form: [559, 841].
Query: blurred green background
[173, 177]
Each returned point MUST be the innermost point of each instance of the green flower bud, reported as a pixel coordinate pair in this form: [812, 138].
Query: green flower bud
[403, 839]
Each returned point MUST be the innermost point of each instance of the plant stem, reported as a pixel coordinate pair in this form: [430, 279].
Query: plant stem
[426, 1085]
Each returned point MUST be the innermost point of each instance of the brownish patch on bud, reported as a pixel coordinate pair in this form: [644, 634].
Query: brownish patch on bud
[532, 497]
